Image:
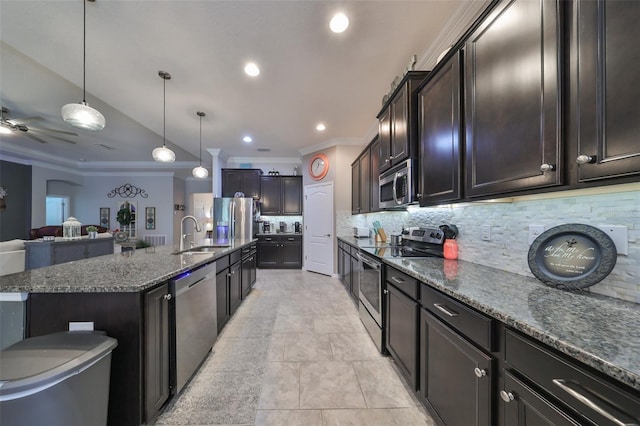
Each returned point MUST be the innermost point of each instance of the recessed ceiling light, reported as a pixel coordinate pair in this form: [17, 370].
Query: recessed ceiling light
[321, 127]
[339, 23]
[251, 69]
[247, 139]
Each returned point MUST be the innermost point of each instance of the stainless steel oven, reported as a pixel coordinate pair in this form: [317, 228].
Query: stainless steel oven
[370, 295]
[397, 186]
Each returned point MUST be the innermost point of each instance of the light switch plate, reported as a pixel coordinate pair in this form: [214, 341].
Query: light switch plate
[81, 326]
[486, 232]
[619, 235]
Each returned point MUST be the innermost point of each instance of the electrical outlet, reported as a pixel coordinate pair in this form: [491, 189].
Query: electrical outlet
[619, 235]
[486, 232]
[534, 231]
[78, 326]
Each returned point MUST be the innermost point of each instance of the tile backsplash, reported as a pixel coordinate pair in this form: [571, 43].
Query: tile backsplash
[509, 222]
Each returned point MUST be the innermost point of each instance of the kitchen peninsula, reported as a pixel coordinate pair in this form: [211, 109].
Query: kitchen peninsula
[126, 295]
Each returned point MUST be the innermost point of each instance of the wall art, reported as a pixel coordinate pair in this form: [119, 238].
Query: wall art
[150, 218]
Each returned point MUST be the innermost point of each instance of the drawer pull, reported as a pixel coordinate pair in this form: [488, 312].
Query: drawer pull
[397, 280]
[565, 386]
[507, 396]
[480, 372]
[445, 310]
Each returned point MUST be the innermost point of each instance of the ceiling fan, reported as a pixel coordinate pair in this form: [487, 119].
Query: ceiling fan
[14, 125]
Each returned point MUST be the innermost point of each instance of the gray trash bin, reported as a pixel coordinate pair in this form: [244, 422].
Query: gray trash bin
[57, 379]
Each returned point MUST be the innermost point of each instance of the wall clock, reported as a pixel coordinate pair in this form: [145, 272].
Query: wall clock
[318, 166]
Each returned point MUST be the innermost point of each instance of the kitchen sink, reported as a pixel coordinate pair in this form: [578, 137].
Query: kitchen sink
[203, 249]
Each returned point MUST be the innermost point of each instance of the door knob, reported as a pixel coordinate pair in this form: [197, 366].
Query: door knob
[547, 167]
[585, 159]
[327, 235]
[507, 396]
[480, 372]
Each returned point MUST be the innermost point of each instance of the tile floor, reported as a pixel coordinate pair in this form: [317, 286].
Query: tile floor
[295, 353]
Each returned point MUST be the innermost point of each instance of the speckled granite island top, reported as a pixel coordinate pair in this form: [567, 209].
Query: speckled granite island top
[130, 271]
[600, 331]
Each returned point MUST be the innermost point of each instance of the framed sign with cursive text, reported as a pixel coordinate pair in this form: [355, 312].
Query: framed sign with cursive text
[572, 256]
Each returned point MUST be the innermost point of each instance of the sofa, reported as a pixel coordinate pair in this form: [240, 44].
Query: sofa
[56, 231]
[12, 257]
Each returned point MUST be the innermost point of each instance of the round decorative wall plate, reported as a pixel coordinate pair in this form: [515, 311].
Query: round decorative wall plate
[121, 237]
[572, 256]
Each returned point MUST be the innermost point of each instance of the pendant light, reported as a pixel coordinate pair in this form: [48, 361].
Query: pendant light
[162, 153]
[200, 172]
[81, 115]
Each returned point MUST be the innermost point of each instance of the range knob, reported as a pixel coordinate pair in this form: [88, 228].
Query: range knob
[433, 235]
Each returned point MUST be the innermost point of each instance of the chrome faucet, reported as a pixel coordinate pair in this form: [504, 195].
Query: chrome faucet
[183, 235]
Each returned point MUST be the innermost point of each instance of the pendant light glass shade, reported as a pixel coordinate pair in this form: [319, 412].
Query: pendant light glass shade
[81, 115]
[163, 154]
[200, 172]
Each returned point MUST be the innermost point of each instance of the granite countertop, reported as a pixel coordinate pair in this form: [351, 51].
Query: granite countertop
[364, 242]
[599, 331]
[130, 271]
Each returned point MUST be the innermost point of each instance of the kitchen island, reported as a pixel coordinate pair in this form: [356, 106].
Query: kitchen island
[126, 296]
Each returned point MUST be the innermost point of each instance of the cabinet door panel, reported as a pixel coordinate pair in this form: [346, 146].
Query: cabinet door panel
[608, 91]
[355, 188]
[402, 333]
[251, 184]
[157, 386]
[512, 96]
[292, 195]
[449, 381]
[384, 161]
[375, 175]
[268, 254]
[232, 182]
[271, 195]
[235, 288]
[399, 127]
[439, 103]
[222, 299]
[529, 408]
[291, 255]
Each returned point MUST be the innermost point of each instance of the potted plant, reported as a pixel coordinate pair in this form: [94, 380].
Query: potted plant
[92, 231]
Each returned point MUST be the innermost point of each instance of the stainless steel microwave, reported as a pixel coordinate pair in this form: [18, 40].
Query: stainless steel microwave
[397, 186]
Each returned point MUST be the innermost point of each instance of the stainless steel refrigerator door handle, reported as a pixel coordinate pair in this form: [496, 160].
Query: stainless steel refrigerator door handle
[232, 219]
[562, 384]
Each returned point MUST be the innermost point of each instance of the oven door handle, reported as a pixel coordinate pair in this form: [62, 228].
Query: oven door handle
[373, 264]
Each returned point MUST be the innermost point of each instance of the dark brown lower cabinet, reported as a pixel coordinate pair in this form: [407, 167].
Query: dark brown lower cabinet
[402, 333]
[249, 264]
[280, 252]
[524, 406]
[235, 287]
[456, 377]
[222, 299]
[157, 347]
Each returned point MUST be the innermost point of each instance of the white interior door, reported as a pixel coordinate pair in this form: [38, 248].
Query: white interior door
[318, 228]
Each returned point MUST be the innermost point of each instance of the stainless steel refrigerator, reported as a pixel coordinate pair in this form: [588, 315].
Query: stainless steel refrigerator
[233, 218]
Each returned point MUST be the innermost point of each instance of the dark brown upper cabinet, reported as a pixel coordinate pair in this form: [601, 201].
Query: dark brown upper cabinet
[241, 180]
[605, 89]
[398, 122]
[440, 129]
[513, 99]
[281, 195]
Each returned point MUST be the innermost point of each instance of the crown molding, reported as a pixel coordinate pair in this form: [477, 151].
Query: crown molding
[331, 143]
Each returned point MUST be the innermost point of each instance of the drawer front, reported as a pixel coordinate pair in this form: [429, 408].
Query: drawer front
[235, 256]
[291, 238]
[222, 263]
[404, 282]
[354, 251]
[475, 326]
[598, 401]
[268, 239]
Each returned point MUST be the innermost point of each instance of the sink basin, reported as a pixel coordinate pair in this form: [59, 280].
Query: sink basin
[203, 249]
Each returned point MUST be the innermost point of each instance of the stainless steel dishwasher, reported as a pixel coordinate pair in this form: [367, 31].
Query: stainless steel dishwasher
[195, 331]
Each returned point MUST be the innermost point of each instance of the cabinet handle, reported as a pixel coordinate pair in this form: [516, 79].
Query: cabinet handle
[507, 396]
[585, 159]
[385, 291]
[397, 280]
[418, 195]
[229, 275]
[562, 384]
[445, 310]
[547, 167]
[386, 161]
[290, 239]
[167, 297]
[480, 372]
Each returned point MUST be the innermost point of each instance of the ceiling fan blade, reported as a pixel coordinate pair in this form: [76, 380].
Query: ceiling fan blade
[44, 130]
[24, 120]
[31, 132]
[34, 137]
